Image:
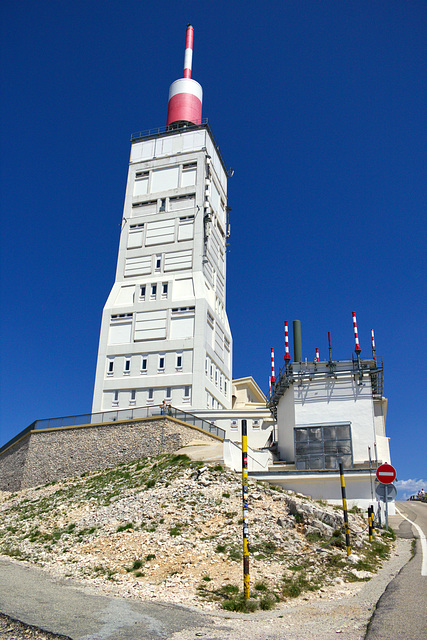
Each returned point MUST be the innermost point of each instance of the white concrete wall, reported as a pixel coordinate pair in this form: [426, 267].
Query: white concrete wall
[165, 217]
[257, 460]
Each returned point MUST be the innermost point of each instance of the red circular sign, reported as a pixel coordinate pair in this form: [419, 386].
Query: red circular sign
[386, 474]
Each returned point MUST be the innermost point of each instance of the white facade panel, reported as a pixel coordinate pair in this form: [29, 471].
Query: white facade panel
[138, 266]
[176, 260]
[186, 230]
[164, 179]
[135, 238]
[181, 328]
[120, 333]
[150, 325]
[160, 232]
[140, 187]
[188, 177]
[125, 296]
[183, 289]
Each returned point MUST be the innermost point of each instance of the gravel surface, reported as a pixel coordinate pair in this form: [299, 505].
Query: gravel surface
[15, 630]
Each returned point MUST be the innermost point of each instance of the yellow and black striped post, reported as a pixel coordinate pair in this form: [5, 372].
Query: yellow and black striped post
[245, 492]
[373, 521]
[370, 523]
[344, 506]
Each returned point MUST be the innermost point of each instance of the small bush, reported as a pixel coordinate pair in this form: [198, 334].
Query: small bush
[124, 527]
[137, 565]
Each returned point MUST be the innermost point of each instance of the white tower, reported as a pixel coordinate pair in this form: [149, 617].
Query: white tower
[164, 332]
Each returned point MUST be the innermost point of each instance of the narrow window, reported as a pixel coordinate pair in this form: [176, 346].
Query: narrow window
[179, 360]
[211, 373]
[132, 397]
[164, 290]
[186, 393]
[144, 365]
[153, 292]
[168, 393]
[150, 395]
[225, 387]
[158, 262]
[162, 204]
[116, 398]
[142, 292]
[161, 363]
[110, 369]
[127, 365]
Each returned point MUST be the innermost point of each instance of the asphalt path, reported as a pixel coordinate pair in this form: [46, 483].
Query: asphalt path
[401, 612]
[27, 594]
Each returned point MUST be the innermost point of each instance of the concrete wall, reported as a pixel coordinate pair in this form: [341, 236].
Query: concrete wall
[52, 454]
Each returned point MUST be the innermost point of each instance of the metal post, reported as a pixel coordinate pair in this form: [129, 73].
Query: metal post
[370, 523]
[386, 506]
[245, 509]
[344, 506]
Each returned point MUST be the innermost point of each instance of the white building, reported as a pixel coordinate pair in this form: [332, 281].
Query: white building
[330, 412]
[164, 332]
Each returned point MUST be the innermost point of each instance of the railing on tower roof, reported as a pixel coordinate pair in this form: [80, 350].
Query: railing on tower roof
[158, 132]
[305, 372]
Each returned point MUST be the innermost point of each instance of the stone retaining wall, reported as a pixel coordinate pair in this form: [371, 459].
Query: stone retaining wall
[52, 454]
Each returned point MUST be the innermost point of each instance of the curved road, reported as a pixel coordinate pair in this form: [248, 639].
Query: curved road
[401, 611]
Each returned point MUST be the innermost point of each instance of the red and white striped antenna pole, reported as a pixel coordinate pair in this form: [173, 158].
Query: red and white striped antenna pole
[273, 377]
[188, 56]
[287, 356]
[330, 348]
[317, 354]
[356, 336]
[374, 356]
[185, 94]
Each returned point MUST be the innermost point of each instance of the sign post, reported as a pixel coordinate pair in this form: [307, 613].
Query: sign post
[386, 474]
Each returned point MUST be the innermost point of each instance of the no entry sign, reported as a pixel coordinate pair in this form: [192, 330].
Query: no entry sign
[386, 474]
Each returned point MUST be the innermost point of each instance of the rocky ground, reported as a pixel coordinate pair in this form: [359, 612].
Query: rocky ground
[169, 529]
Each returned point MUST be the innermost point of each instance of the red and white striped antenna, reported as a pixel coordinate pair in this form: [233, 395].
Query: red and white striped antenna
[356, 336]
[374, 356]
[330, 348]
[317, 354]
[273, 377]
[269, 385]
[185, 94]
[287, 356]
[188, 55]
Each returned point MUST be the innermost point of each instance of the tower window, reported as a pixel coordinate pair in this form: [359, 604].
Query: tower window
[153, 292]
[144, 364]
[158, 262]
[161, 362]
[164, 290]
[179, 361]
[187, 392]
[168, 393]
[132, 400]
[115, 399]
[110, 369]
[142, 290]
[150, 395]
[127, 366]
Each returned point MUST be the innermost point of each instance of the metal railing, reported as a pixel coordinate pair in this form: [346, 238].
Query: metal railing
[132, 413]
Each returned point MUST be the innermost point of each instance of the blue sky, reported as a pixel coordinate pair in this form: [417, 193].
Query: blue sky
[319, 107]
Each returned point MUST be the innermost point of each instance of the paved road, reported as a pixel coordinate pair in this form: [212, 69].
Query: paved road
[401, 612]
[61, 608]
